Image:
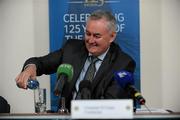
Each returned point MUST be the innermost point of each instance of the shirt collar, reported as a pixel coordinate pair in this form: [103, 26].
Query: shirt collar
[102, 56]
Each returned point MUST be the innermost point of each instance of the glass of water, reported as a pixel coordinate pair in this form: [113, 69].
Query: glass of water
[40, 100]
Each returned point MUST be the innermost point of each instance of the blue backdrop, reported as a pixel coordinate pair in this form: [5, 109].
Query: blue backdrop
[67, 20]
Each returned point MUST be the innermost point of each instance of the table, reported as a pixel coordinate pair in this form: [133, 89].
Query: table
[56, 116]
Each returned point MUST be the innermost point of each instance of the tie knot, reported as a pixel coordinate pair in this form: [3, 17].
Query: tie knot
[93, 59]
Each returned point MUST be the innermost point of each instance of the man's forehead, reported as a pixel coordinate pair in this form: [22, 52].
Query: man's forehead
[93, 32]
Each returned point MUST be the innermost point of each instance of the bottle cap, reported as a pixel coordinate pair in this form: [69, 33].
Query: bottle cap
[32, 84]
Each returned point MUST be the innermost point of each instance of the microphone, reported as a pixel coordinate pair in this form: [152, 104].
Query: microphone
[64, 73]
[85, 89]
[125, 80]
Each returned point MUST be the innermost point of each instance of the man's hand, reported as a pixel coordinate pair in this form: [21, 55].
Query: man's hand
[28, 73]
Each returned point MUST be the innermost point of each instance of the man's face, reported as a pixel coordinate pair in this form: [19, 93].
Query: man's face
[97, 36]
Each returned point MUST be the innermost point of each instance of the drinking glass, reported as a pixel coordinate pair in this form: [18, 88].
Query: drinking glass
[40, 100]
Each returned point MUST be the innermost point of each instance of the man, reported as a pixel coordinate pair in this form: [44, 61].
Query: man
[99, 36]
[4, 105]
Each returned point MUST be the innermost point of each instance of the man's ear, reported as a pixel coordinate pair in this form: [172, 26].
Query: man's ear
[113, 36]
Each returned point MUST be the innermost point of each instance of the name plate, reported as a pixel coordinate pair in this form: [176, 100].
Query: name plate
[102, 109]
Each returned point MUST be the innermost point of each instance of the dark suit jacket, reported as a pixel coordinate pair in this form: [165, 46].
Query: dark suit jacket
[75, 53]
[4, 105]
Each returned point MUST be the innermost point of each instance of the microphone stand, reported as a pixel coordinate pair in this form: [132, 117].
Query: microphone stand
[63, 109]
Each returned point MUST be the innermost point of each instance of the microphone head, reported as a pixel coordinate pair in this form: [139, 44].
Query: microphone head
[65, 69]
[124, 78]
[85, 84]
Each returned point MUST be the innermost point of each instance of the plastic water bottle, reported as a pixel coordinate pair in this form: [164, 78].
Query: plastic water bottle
[32, 84]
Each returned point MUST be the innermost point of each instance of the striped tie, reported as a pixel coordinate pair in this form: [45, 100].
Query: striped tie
[89, 75]
[91, 69]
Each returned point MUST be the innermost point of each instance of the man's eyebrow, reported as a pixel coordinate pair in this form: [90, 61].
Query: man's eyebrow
[97, 34]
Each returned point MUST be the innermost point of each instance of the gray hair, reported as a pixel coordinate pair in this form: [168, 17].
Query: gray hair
[99, 14]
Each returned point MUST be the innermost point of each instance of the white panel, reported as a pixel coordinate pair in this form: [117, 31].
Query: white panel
[171, 55]
[22, 29]
[151, 67]
[17, 36]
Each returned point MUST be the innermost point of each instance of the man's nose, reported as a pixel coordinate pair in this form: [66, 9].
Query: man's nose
[91, 39]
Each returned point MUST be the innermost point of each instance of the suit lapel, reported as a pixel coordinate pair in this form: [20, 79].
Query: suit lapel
[103, 70]
[78, 63]
[106, 68]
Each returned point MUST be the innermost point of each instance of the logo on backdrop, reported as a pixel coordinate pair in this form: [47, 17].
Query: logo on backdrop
[94, 3]
[91, 3]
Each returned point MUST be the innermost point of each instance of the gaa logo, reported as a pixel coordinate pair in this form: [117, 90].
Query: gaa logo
[90, 3]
